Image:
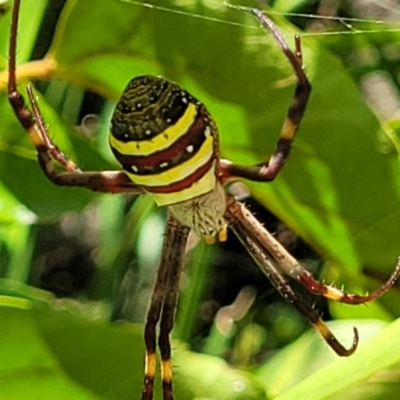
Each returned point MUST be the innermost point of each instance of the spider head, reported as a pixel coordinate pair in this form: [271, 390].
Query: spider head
[148, 106]
[204, 214]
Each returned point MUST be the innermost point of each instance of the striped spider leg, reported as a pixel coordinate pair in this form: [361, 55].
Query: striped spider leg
[47, 152]
[268, 170]
[167, 144]
[277, 264]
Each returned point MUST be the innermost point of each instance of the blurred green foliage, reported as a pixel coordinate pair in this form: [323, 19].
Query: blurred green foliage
[339, 192]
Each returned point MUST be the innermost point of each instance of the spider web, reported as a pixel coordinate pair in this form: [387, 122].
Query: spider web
[372, 17]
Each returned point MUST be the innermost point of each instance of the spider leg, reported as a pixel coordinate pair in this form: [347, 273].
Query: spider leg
[163, 303]
[271, 168]
[294, 269]
[41, 139]
[291, 267]
[272, 258]
[314, 286]
[167, 320]
[283, 287]
[33, 123]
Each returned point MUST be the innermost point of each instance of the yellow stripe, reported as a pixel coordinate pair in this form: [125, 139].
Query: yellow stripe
[150, 364]
[181, 171]
[166, 371]
[288, 130]
[161, 141]
[202, 186]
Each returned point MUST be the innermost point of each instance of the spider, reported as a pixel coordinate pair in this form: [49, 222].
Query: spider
[167, 144]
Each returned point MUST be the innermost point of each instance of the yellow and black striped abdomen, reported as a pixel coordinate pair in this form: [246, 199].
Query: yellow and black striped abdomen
[165, 140]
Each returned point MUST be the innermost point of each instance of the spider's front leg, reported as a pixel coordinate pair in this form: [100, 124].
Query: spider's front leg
[271, 168]
[248, 230]
[292, 268]
[275, 261]
[33, 123]
[271, 269]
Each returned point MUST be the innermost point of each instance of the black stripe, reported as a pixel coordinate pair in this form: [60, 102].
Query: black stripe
[172, 156]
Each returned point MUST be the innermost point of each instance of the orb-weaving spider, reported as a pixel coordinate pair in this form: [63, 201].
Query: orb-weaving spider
[167, 144]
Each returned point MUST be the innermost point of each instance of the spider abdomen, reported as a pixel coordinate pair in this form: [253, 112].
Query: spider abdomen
[165, 140]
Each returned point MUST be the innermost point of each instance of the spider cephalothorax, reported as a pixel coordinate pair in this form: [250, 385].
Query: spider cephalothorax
[204, 214]
[167, 144]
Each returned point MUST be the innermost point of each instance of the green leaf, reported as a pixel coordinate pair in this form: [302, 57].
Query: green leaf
[31, 15]
[35, 373]
[371, 373]
[63, 355]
